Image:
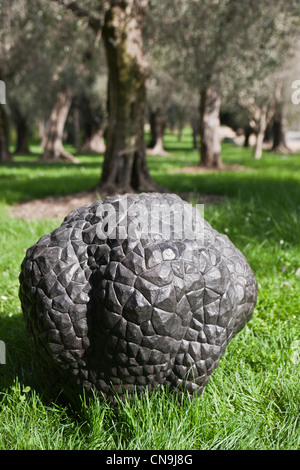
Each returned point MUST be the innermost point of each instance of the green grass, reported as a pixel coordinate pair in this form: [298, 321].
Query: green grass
[253, 399]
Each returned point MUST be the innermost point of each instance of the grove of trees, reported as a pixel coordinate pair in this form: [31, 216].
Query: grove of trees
[95, 71]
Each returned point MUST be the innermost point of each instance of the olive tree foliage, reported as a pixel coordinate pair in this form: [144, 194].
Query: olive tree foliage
[225, 48]
[206, 36]
[50, 60]
[9, 65]
[292, 91]
[264, 71]
[75, 55]
[19, 69]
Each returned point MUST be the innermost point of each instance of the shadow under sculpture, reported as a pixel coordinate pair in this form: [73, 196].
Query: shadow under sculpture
[131, 292]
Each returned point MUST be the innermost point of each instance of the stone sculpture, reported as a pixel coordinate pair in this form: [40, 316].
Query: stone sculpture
[125, 296]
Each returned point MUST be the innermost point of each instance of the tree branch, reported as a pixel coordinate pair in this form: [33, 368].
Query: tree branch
[94, 22]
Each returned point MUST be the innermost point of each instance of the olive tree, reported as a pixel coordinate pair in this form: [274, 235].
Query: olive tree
[43, 83]
[265, 69]
[222, 45]
[205, 35]
[120, 23]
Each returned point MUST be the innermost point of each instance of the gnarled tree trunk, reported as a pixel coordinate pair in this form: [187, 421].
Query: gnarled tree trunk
[210, 146]
[53, 146]
[125, 168]
[4, 152]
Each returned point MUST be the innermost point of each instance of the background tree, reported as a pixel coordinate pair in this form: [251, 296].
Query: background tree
[125, 168]
[204, 34]
[93, 118]
[125, 165]
[283, 106]
[160, 85]
[216, 40]
[157, 97]
[261, 67]
[4, 152]
[43, 84]
[8, 38]
[72, 55]
[169, 94]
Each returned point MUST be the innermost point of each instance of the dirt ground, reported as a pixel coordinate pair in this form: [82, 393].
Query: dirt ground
[52, 207]
[199, 169]
[58, 207]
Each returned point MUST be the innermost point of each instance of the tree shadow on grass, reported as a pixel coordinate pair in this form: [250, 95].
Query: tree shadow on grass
[18, 189]
[18, 355]
[242, 185]
[19, 368]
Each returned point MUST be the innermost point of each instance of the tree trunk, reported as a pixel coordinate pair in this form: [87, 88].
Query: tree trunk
[195, 130]
[93, 138]
[20, 120]
[278, 131]
[76, 127]
[4, 152]
[53, 148]
[125, 168]
[248, 131]
[22, 146]
[94, 143]
[72, 127]
[268, 137]
[278, 128]
[260, 132]
[42, 133]
[180, 132]
[210, 146]
[157, 125]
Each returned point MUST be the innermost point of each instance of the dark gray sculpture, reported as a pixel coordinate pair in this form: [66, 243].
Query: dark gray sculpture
[121, 299]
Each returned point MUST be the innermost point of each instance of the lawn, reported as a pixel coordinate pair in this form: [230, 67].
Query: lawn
[253, 399]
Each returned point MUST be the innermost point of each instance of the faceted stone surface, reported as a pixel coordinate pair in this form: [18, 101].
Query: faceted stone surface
[135, 309]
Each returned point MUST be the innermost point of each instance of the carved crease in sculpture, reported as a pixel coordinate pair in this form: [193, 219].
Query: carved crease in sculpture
[119, 311]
